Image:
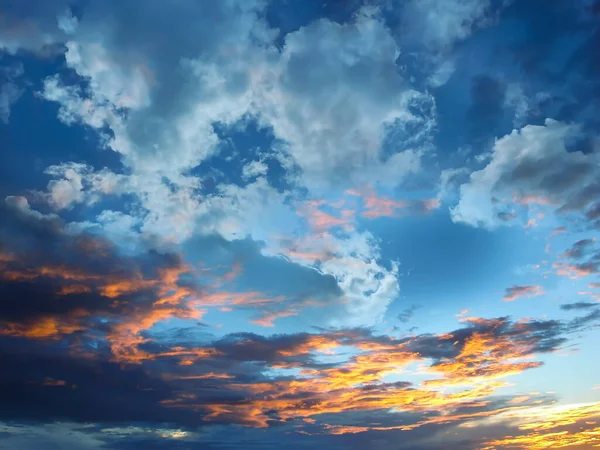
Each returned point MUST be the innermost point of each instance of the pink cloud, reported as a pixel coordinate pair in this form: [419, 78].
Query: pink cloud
[515, 292]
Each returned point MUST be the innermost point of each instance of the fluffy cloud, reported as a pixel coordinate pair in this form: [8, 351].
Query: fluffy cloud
[338, 93]
[534, 165]
[333, 97]
[172, 90]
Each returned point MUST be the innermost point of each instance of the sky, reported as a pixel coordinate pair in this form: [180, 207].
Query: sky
[265, 224]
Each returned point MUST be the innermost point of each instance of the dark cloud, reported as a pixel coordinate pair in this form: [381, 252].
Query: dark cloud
[45, 383]
[406, 315]
[589, 321]
[582, 259]
[55, 282]
[48, 381]
[593, 212]
[579, 306]
[32, 27]
[579, 248]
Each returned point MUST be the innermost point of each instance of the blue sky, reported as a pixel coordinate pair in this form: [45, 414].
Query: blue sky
[248, 224]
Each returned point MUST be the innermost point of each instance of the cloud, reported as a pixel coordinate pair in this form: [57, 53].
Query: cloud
[581, 260]
[531, 165]
[406, 315]
[553, 427]
[156, 103]
[578, 306]
[254, 169]
[515, 292]
[101, 323]
[70, 280]
[579, 249]
[9, 91]
[72, 276]
[375, 206]
[32, 28]
[99, 329]
[440, 24]
[516, 100]
[9, 94]
[474, 357]
[336, 97]
[169, 197]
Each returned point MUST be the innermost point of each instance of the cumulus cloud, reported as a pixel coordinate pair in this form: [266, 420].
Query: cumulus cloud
[101, 322]
[342, 112]
[338, 93]
[533, 165]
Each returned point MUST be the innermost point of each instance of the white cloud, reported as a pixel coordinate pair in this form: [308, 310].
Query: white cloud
[75, 106]
[368, 287]
[9, 91]
[336, 94]
[432, 29]
[75, 183]
[531, 166]
[335, 99]
[63, 193]
[441, 23]
[67, 22]
[254, 169]
[22, 204]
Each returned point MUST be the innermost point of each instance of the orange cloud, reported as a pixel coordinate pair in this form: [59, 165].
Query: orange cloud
[553, 427]
[321, 221]
[268, 319]
[375, 206]
[359, 383]
[46, 327]
[563, 439]
[126, 327]
[484, 356]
